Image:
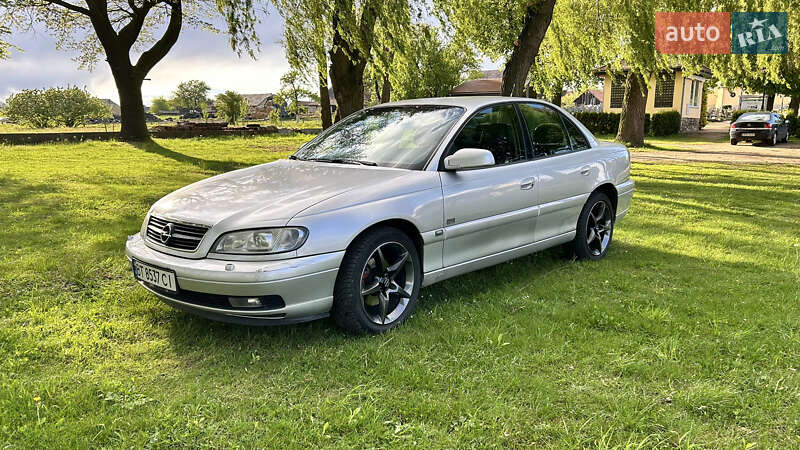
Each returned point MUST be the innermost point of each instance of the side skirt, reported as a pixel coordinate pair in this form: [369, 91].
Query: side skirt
[497, 258]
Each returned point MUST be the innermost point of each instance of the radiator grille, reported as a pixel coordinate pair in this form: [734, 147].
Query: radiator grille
[175, 235]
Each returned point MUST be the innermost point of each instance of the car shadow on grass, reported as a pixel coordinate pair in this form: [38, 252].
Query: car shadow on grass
[207, 164]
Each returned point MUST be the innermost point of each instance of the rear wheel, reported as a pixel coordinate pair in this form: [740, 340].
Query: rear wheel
[734, 142]
[378, 282]
[595, 228]
[774, 139]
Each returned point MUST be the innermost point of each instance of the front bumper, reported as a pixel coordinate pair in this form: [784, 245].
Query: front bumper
[759, 134]
[302, 287]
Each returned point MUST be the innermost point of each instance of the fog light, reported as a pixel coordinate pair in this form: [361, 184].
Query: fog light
[245, 302]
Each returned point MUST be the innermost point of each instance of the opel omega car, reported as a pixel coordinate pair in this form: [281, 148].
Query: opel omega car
[390, 199]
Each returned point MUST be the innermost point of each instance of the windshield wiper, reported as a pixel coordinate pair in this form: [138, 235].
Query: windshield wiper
[344, 161]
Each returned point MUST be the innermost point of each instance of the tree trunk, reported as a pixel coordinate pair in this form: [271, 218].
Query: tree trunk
[556, 98]
[770, 102]
[526, 47]
[631, 121]
[794, 104]
[133, 126]
[324, 101]
[347, 61]
[386, 90]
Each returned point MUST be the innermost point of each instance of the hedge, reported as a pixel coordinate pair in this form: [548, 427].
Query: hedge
[791, 116]
[666, 123]
[605, 122]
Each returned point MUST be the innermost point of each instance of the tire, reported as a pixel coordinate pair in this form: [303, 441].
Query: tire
[593, 237]
[734, 142]
[385, 265]
[774, 139]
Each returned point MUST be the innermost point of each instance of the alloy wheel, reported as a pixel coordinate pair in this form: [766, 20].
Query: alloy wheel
[598, 228]
[387, 283]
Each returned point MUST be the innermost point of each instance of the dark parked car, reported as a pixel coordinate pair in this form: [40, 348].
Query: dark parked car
[767, 127]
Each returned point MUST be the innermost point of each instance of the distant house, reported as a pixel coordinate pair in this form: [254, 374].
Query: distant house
[672, 90]
[490, 83]
[116, 111]
[592, 97]
[260, 104]
[723, 98]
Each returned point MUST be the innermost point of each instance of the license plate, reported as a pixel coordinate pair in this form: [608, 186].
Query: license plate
[158, 277]
[748, 134]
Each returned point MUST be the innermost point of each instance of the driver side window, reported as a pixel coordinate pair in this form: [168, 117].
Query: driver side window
[496, 129]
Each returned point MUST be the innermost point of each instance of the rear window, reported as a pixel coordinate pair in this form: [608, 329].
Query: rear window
[754, 118]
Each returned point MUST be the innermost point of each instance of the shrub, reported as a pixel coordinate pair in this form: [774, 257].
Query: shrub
[232, 106]
[605, 122]
[666, 123]
[791, 116]
[70, 106]
[738, 112]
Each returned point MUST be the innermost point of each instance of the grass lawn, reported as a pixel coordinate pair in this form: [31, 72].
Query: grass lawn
[686, 335]
[303, 123]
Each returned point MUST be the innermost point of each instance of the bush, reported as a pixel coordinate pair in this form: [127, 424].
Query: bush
[738, 112]
[605, 122]
[666, 123]
[70, 107]
[791, 116]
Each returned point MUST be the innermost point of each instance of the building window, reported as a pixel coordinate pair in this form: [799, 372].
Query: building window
[665, 90]
[694, 93]
[617, 91]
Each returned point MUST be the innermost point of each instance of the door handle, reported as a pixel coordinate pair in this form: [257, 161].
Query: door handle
[527, 184]
[585, 170]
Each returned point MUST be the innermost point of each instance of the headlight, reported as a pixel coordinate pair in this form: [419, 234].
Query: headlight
[267, 240]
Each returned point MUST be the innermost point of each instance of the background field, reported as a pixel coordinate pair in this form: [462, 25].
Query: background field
[687, 334]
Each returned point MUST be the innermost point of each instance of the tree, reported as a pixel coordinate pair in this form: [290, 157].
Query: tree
[516, 32]
[307, 36]
[114, 29]
[292, 91]
[70, 107]
[429, 66]
[190, 95]
[159, 105]
[231, 106]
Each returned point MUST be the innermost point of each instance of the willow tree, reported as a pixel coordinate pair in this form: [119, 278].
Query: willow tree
[307, 36]
[131, 35]
[505, 29]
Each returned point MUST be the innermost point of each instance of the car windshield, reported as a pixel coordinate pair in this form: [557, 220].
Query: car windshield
[399, 136]
[754, 117]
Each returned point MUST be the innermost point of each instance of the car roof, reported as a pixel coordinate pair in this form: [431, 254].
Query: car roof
[468, 102]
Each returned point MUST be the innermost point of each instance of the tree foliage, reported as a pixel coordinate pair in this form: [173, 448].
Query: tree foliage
[69, 106]
[190, 95]
[159, 105]
[231, 106]
[429, 65]
[293, 90]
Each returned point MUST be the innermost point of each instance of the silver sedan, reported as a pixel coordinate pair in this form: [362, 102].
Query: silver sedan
[389, 200]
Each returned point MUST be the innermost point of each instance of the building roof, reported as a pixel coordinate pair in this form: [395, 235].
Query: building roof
[258, 99]
[704, 72]
[115, 109]
[479, 87]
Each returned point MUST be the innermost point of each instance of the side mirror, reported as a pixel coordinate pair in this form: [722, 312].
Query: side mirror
[469, 158]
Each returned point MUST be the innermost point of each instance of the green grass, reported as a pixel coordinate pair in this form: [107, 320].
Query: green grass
[303, 123]
[686, 335]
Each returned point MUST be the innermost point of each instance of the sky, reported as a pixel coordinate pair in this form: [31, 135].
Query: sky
[198, 54]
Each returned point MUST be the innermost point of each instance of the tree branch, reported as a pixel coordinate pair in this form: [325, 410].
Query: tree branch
[159, 50]
[71, 7]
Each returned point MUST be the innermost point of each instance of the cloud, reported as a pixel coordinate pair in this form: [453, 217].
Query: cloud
[198, 54]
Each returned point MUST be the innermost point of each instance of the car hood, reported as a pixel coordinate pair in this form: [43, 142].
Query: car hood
[267, 193]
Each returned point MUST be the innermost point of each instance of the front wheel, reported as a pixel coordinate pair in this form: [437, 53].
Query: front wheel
[378, 282]
[734, 142]
[595, 228]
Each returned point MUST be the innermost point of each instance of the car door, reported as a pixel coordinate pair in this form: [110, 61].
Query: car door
[492, 209]
[566, 168]
[783, 128]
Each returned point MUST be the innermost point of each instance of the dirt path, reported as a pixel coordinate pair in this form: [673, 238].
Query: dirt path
[721, 152]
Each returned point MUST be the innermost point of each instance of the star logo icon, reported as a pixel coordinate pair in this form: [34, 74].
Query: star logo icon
[757, 23]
